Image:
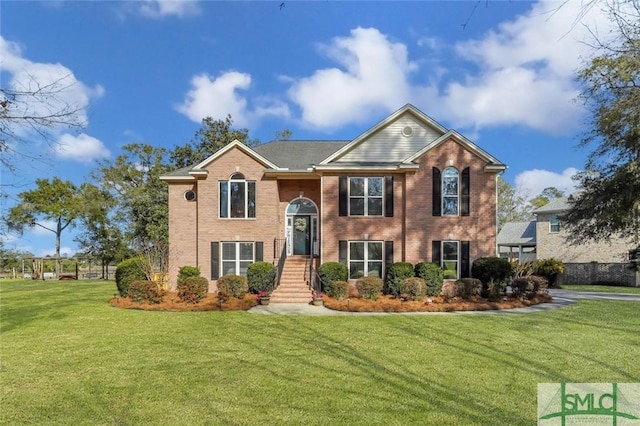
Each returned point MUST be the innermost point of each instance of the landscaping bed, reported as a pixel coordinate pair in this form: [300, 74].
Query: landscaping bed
[171, 302]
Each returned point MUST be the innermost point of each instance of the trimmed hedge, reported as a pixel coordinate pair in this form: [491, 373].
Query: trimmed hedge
[414, 288]
[464, 288]
[193, 289]
[330, 272]
[143, 290]
[127, 271]
[369, 287]
[494, 273]
[233, 285]
[432, 275]
[261, 276]
[529, 286]
[396, 272]
[337, 289]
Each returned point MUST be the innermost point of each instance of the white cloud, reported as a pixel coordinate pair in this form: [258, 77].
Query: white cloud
[49, 89]
[526, 69]
[82, 148]
[532, 182]
[217, 97]
[161, 8]
[373, 77]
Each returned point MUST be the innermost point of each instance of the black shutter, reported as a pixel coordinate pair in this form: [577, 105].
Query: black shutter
[435, 252]
[464, 192]
[388, 255]
[437, 192]
[464, 259]
[215, 256]
[388, 196]
[343, 251]
[343, 196]
[259, 249]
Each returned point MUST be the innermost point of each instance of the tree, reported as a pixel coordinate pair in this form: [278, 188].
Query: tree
[133, 180]
[608, 200]
[56, 200]
[512, 206]
[32, 109]
[211, 137]
[102, 238]
[547, 194]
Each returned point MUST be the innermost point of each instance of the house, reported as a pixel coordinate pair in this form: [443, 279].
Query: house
[551, 239]
[407, 189]
[517, 241]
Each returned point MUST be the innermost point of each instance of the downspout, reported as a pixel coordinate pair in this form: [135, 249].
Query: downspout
[197, 226]
[496, 213]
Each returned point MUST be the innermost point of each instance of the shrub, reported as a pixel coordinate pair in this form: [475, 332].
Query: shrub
[432, 275]
[128, 270]
[396, 272]
[468, 287]
[549, 268]
[193, 289]
[261, 277]
[143, 290]
[337, 289]
[330, 272]
[528, 286]
[235, 285]
[414, 288]
[522, 269]
[369, 287]
[493, 272]
[187, 271]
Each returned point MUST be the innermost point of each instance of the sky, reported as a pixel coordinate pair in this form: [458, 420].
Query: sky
[502, 73]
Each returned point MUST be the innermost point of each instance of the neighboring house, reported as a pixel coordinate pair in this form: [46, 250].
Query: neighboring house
[551, 239]
[407, 189]
[517, 241]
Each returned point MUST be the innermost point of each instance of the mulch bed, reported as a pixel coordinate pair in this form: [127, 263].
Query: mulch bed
[171, 302]
[438, 304]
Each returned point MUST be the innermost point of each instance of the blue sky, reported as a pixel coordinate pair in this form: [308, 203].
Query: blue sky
[501, 73]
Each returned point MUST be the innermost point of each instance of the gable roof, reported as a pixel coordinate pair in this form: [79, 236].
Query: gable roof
[555, 205]
[517, 234]
[393, 146]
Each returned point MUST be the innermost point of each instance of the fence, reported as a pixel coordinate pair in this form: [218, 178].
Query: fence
[600, 273]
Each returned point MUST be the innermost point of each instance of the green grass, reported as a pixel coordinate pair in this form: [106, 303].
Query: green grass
[602, 288]
[67, 357]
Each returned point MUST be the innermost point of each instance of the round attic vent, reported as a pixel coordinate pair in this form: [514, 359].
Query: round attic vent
[407, 131]
[190, 195]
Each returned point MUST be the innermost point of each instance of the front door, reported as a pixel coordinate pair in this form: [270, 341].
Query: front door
[302, 235]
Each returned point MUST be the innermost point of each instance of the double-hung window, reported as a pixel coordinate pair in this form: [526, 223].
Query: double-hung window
[554, 224]
[451, 259]
[365, 259]
[366, 196]
[236, 257]
[237, 197]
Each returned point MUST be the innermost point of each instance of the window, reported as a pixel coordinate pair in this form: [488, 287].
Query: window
[365, 196]
[554, 224]
[237, 197]
[450, 259]
[236, 257]
[450, 180]
[365, 259]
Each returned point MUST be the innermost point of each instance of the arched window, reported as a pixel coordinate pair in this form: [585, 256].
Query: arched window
[237, 197]
[450, 191]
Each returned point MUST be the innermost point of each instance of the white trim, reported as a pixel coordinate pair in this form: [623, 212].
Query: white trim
[464, 142]
[242, 147]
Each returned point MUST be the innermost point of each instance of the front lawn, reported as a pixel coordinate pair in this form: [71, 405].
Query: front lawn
[67, 357]
[602, 288]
